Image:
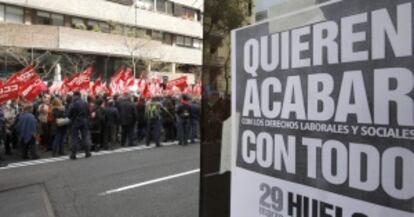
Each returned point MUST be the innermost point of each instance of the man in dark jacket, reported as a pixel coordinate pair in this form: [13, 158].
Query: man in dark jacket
[26, 128]
[2, 134]
[79, 116]
[194, 120]
[141, 121]
[183, 124]
[153, 117]
[128, 116]
[112, 122]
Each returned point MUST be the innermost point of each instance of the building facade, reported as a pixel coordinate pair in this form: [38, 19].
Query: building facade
[159, 36]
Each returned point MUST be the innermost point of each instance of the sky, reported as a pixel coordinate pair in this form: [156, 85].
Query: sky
[262, 5]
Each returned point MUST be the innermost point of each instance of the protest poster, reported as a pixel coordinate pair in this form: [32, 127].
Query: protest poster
[326, 109]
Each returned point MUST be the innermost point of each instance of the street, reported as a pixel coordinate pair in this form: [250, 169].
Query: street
[138, 181]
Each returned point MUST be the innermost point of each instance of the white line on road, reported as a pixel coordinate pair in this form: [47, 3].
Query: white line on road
[65, 158]
[129, 187]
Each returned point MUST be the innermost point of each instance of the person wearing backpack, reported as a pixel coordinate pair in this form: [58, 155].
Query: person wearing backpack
[184, 117]
[153, 116]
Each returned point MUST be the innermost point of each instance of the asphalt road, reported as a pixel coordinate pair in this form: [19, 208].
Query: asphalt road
[155, 182]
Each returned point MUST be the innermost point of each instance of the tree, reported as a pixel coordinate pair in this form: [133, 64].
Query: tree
[220, 18]
[72, 62]
[40, 60]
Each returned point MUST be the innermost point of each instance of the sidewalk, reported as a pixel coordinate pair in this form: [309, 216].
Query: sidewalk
[15, 157]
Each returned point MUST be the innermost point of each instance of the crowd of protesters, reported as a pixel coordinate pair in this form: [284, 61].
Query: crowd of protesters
[95, 123]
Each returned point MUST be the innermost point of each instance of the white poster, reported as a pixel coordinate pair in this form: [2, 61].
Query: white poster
[326, 111]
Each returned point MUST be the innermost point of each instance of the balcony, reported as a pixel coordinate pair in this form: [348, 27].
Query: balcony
[78, 41]
[110, 11]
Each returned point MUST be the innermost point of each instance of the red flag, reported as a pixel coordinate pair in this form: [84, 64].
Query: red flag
[96, 85]
[197, 89]
[80, 81]
[8, 92]
[180, 82]
[115, 80]
[141, 82]
[22, 76]
[146, 92]
[118, 75]
[31, 91]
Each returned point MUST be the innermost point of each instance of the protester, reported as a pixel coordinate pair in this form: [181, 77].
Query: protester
[79, 117]
[46, 118]
[141, 121]
[152, 114]
[168, 120]
[184, 118]
[10, 115]
[97, 124]
[194, 120]
[27, 129]
[128, 116]
[111, 123]
[59, 128]
[2, 134]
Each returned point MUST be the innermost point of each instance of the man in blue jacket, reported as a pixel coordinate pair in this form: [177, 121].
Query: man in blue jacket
[26, 127]
[79, 116]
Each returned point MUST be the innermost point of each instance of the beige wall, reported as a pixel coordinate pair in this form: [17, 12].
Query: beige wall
[109, 11]
[67, 39]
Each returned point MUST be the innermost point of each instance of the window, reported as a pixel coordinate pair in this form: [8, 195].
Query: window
[93, 26]
[45, 18]
[188, 42]
[129, 31]
[149, 32]
[167, 38]
[161, 5]
[2, 13]
[14, 14]
[190, 14]
[197, 43]
[78, 23]
[145, 4]
[142, 33]
[42, 18]
[180, 40]
[104, 27]
[179, 10]
[169, 8]
[157, 35]
[57, 19]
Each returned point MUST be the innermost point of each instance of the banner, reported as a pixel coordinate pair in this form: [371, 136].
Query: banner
[180, 82]
[9, 92]
[79, 81]
[23, 75]
[326, 109]
[33, 89]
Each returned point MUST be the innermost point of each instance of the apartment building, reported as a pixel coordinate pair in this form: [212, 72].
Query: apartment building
[162, 37]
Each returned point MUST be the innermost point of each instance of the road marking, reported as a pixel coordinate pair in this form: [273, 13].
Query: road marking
[65, 158]
[129, 187]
